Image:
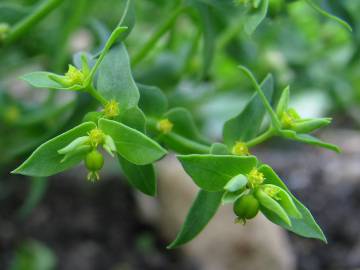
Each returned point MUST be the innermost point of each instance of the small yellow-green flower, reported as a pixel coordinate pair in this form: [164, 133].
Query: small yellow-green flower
[240, 149]
[165, 126]
[111, 109]
[255, 178]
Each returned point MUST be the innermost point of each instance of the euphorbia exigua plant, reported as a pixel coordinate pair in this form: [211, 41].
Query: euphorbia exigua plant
[134, 124]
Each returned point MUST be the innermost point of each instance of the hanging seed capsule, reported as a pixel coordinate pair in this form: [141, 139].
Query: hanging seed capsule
[246, 207]
[94, 162]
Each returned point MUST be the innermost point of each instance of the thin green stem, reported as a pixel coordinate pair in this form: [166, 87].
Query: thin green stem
[190, 145]
[114, 35]
[263, 98]
[94, 93]
[126, 10]
[167, 24]
[25, 24]
[261, 138]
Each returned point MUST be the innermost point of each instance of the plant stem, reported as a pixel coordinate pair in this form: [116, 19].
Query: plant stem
[190, 145]
[156, 36]
[94, 93]
[37, 15]
[261, 138]
[274, 119]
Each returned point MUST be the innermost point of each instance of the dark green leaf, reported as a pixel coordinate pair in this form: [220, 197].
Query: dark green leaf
[141, 177]
[152, 100]
[203, 209]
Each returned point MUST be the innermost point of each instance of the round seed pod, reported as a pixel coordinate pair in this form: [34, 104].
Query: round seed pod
[246, 207]
[94, 161]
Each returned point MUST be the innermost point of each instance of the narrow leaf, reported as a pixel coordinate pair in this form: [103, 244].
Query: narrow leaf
[203, 209]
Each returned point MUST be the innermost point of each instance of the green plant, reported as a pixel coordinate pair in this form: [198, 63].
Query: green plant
[134, 123]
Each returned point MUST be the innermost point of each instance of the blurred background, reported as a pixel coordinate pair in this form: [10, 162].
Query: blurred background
[67, 223]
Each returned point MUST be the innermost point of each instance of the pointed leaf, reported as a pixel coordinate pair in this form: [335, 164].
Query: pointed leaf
[41, 79]
[203, 209]
[306, 138]
[46, 160]
[212, 172]
[306, 226]
[115, 80]
[132, 144]
[141, 177]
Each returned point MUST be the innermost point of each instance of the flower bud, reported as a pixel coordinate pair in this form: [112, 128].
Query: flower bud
[246, 207]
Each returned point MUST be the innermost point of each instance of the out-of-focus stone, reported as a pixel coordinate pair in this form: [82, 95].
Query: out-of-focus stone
[223, 244]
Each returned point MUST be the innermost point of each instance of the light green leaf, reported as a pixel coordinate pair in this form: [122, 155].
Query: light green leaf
[202, 210]
[212, 172]
[236, 183]
[231, 197]
[46, 160]
[132, 144]
[306, 226]
[115, 80]
[42, 79]
[273, 206]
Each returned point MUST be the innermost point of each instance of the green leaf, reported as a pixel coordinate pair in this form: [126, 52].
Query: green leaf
[115, 80]
[132, 144]
[306, 226]
[46, 160]
[12, 12]
[273, 206]
[41, 79]
[152, 101]
[245, 126]
[308, 139]
[284, 199]
[133, 118]
[283, 103]
[212, 172]
[256, 17]
[202, 210]
[184, 124]
[141, 177]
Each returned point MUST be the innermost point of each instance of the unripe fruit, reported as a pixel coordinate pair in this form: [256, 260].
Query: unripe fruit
[246, 207]
[94, 161]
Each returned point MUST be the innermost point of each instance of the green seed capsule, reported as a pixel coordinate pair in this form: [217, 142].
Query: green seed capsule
[94, 161]
[246, 207]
